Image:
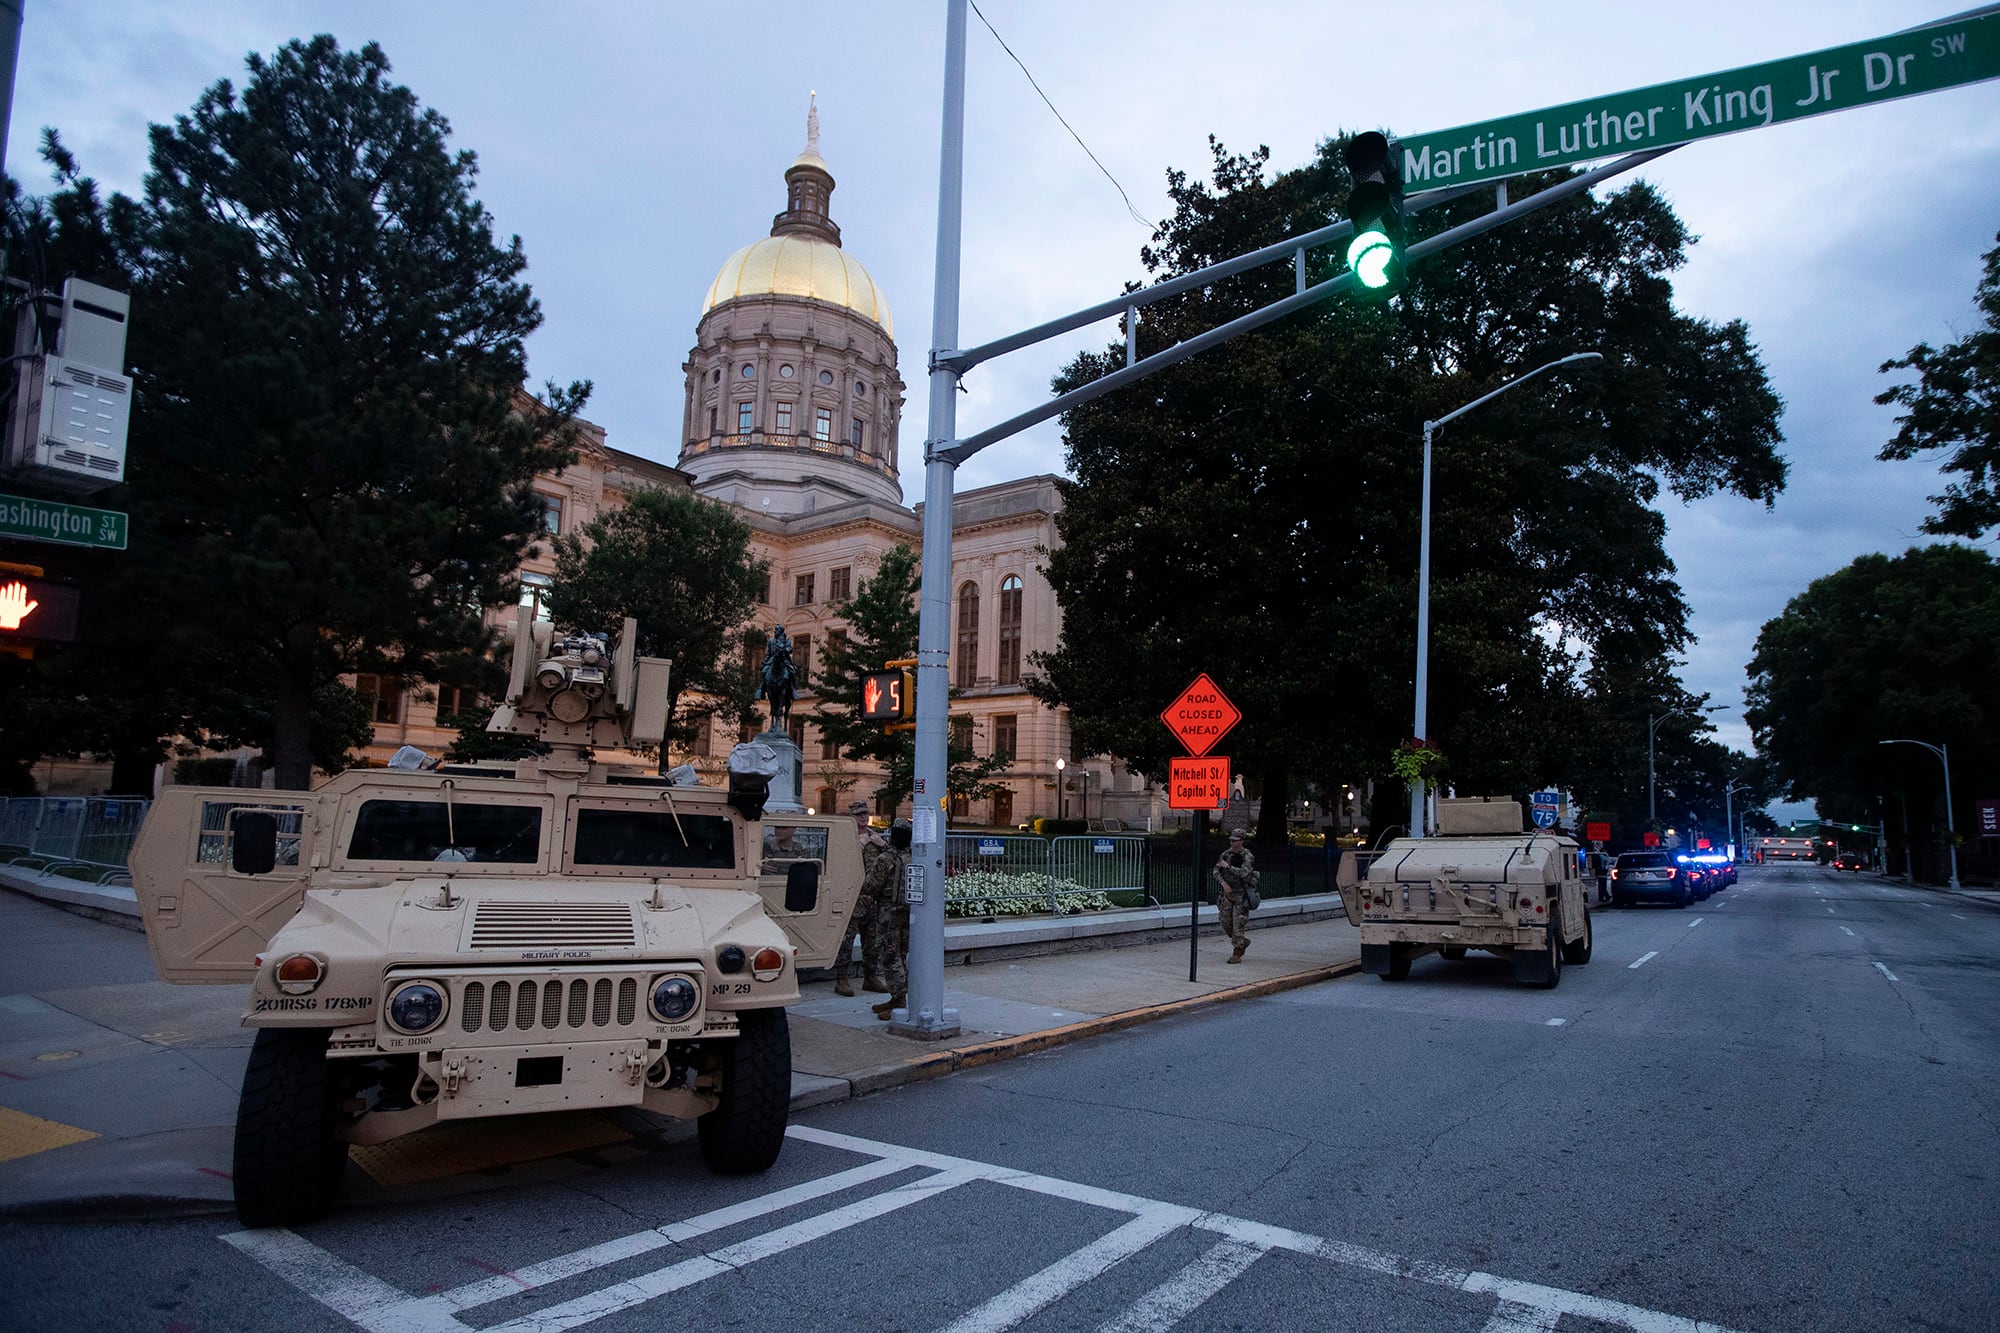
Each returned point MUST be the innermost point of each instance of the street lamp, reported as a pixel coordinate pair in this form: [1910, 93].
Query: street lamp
[1652, 726]
[1059, 789]
[1729, 813]
[1943, 752]
[1085, 775]
[1417, 788]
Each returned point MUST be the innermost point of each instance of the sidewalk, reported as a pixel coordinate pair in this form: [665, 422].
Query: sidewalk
[118, 1091]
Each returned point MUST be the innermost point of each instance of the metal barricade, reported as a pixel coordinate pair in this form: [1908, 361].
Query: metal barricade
[82, 837]
[996, 874]
[57, 831]
[1110, 863]
[18, 815]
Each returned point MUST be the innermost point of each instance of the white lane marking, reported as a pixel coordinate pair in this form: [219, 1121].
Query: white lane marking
[1514, 1317]
[338, 1285]
[1555, 1022]
[1642, 960]
[1848, 931]
[1186, 1291]
[380, 1308]
[1697, 921]
[1956, 917]
[1038, 1291]
[627, 1247]
[1886, 972]
[1829, 911]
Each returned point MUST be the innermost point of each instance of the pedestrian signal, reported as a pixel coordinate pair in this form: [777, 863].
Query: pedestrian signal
[1375, 207]
[888, 696]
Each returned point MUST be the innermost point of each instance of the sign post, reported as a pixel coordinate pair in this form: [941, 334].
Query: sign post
[1198, 717]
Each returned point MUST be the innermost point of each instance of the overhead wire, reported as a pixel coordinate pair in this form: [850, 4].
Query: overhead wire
[1129, 208]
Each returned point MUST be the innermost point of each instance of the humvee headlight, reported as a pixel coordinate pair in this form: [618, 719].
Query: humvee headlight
[674, 998]
[416, 1006]
[300, 974]
[767, 964]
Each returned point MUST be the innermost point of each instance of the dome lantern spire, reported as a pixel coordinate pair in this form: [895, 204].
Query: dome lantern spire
[808, 188]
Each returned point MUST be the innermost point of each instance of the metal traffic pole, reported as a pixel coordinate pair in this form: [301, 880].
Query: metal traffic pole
[925, 1015]
[1943, 751]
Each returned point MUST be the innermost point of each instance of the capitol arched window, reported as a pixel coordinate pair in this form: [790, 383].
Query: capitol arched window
[1009, 670]
[968, 635]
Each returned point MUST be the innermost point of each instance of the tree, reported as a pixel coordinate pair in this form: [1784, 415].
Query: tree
[681, 566]
[1884, 649]
[882, 627]
[331, 459]
[1955, 405]
[1254, 512]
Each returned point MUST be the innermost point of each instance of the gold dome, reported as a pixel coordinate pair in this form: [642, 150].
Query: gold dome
[796, 265]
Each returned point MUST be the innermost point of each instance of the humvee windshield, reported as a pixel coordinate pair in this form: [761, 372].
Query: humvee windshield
[431, 831]
[654, 838]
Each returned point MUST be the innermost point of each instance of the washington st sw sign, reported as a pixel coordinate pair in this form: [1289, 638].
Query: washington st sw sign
[1923, 60]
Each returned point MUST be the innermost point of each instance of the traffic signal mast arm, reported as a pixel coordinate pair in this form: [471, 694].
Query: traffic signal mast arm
[1138, 369]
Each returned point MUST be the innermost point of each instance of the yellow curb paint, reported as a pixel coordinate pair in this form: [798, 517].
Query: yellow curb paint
[23, 1135]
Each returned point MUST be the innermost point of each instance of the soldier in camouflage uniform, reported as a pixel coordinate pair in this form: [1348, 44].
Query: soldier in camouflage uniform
[892, 916]
[1234, 873]
[863, 919]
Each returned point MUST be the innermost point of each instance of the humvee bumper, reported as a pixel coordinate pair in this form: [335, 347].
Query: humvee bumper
[505, 1080]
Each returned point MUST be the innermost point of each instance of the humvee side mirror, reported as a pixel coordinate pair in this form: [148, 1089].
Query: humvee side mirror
[802, 886]
[253, 848]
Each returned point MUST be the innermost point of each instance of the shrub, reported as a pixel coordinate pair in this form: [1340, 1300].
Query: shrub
[994, 893]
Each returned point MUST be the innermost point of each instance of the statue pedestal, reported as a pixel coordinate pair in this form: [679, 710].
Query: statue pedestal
[787, 787]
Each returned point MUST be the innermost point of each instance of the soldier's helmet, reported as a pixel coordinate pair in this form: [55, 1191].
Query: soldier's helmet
[857, 807]
[899, 835]
[1236, 835]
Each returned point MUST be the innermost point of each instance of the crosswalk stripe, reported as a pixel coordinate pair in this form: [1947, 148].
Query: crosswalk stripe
[1186, 1291]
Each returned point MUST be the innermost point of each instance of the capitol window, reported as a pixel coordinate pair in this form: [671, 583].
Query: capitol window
[823, 424]
[743, 418]
[784, 372]
[784, 418]
[749, 371]
[854, 432]
[860, 389]
[826, 377]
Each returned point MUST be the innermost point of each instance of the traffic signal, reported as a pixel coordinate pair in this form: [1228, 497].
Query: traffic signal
[1375, 207]
[888, 696]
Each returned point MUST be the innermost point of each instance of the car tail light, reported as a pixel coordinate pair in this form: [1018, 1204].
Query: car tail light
[767, 964]
[300, 974]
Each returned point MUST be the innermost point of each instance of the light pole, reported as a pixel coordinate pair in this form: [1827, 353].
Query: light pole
[1729, 813]
[1652, 727]
[1417, 788]
[1059, 790]
[1943, 752]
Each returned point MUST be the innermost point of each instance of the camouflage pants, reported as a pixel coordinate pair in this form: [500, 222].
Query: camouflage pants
[1232, 910]
[862, 922]
[892, 940]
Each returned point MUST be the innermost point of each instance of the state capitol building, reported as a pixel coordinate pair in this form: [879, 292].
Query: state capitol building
[792, 419]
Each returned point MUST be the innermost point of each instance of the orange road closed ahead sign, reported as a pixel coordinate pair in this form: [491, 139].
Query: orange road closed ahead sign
[1197, 784]
[1201, 716]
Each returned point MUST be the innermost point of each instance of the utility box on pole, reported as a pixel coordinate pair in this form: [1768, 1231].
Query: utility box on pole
[72, 403]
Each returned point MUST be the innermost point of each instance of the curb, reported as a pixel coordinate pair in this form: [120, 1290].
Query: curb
[942, 1063]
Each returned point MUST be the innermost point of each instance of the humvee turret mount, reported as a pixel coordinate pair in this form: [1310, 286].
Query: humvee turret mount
[452, 941]
[1481, 882]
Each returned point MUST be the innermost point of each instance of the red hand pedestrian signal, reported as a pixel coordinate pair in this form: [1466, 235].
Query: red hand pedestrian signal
[885, 696]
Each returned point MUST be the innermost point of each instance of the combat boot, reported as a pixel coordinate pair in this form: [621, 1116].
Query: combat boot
[890, 1006]
[842, 986]
[1237, 957]
[876, 984]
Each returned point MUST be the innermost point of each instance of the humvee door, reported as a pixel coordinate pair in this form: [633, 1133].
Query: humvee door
[205, 920]
[831, 847]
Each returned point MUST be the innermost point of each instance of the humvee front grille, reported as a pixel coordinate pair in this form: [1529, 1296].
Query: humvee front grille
[574, 1004]
[507, 925]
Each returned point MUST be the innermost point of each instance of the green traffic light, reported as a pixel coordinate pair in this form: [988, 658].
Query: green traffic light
[1371, 255]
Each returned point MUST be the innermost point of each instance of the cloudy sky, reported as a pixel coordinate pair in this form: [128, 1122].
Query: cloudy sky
[634, 146]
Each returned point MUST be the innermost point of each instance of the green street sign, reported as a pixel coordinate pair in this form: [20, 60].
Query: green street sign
[1924, 60]
[69, 525]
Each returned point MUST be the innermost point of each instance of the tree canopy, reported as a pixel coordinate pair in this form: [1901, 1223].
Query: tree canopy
[1888, 648]
[330, 456]
[682, 567]
[1955, 406]
[1254, 512]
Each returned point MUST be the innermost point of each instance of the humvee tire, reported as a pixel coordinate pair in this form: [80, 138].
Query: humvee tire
[1399, 965]
[743, 1134]
[1451, 951]
[288, 1161]
[1538, 967]
[1578, 950]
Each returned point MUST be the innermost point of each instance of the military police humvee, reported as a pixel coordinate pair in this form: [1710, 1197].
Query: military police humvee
[1480, 882]
[494, 938]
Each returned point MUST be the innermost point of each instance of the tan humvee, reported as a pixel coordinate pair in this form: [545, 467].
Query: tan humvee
[493, 938]
[1481, 882]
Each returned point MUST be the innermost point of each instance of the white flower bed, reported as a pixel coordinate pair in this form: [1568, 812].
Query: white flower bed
[992, 893]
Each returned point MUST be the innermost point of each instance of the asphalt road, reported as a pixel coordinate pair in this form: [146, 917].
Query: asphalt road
[1774, 1110]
